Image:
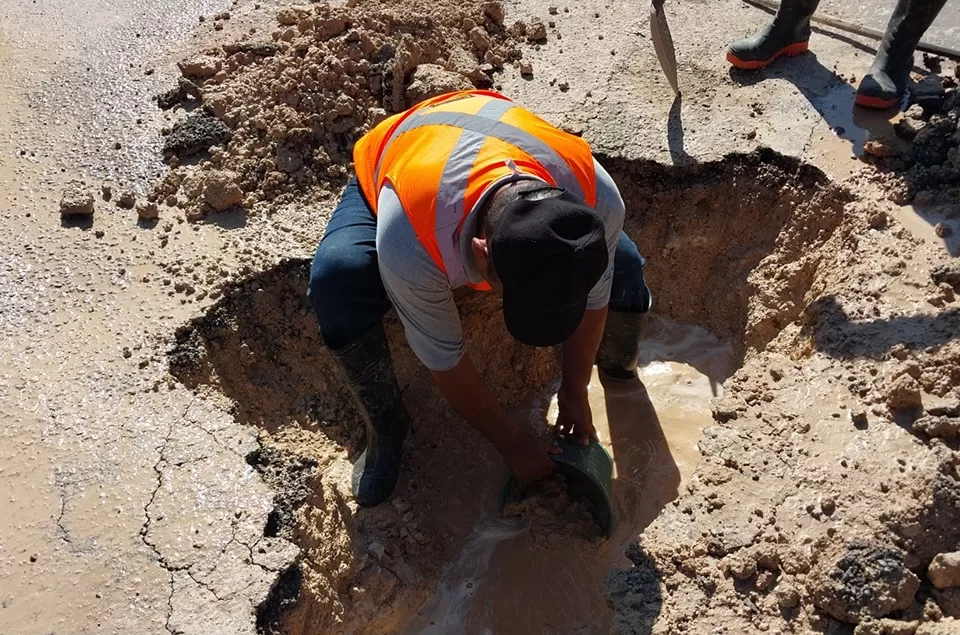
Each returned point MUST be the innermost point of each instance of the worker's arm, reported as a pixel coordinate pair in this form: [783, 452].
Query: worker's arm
[579, 353]
[526, 456]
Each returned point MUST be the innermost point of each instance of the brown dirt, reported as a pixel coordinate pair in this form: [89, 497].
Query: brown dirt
[296, 102]
[829, 481]
[551, 513]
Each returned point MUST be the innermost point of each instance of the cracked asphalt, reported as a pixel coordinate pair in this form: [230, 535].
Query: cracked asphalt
[128, 504]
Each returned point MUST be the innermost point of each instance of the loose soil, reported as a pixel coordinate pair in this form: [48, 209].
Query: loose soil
[788, 462]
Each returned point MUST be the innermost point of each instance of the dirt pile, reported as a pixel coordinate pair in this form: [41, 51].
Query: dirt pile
[551, 513]
[829, 482]
[928, 173]
[280, 117]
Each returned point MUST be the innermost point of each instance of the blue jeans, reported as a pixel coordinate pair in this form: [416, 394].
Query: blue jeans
[348, 296]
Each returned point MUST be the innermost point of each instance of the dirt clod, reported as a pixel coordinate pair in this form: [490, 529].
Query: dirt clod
[937, 426]
[881, 147]
[76, 201]
[200, 67]
[553, 515]
[195, 134]
[865, 581]
[126, 199]
[903, 392]
[148, 211]
[787, 596]
[944, 570]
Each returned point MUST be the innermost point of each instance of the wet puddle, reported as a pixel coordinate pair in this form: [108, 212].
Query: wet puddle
[505, 581]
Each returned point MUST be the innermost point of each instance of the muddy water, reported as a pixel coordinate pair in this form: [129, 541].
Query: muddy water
[505, 581]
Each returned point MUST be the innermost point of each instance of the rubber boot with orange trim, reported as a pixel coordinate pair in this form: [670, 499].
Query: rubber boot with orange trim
[884, 85]
[788, 34]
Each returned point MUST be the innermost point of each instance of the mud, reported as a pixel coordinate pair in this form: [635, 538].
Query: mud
[814, 506]
[818, 490]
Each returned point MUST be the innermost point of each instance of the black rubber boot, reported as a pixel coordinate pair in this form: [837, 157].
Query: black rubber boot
[883, 86]
[788, 34]
[619, 350]
[367, 367]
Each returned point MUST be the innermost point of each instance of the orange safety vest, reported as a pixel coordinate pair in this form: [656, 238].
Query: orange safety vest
[441, 156]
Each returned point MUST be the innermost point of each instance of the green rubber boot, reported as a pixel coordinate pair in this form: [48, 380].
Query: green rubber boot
[884, 85]
[788, 34]
[367, 367]
[619, 351]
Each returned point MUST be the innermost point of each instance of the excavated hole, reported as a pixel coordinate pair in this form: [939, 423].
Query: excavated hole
[733, 246]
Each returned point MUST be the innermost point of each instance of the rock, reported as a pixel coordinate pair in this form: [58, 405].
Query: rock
[289, 160]
[76, 201]
[942, 230]
[260, 49]
[189, 89]
[828, 505]
[536, 31]
[903, 392]
[170, 98]
[495, 11]
[741, 566]
[930, 146]
[480, 39]
[881, 147]
[430, 80]
[220, 190]
[948, 272]
[148, 211]
[914, 112]
[907, 128]
[126, 200]
[106, 191]
[788, 596]
[196, 134]
[526, 69]
[865, 582]
[944, 570]
[942, 427]
[200, 67]
[928, 94]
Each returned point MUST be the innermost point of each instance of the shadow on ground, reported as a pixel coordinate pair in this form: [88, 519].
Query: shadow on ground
[837, 335]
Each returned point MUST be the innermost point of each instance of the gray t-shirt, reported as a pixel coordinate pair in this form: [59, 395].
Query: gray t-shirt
[421, 292]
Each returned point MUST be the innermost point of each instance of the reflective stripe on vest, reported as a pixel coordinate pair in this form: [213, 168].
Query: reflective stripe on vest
[480, 152]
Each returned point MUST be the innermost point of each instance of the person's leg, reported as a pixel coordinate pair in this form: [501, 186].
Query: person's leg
[884, 85]
[349, 300]
[787, 34]
[345, 288]
[630, 302]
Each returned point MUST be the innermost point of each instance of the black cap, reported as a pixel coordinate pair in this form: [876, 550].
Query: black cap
[549, 250]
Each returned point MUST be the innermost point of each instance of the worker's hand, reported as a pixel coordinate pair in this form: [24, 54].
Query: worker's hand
[575, 417]
[529, 459]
